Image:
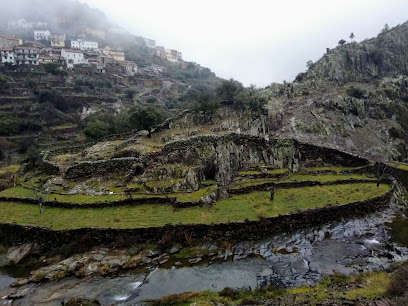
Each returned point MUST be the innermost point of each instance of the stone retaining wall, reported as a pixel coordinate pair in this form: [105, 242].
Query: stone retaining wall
[69, 205]
[100, 167]
[166, 124]
[401, 175]
[312, 155]
[13, 234]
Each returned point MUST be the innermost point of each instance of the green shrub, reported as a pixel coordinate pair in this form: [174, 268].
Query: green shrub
[391, 94]
[54, 97]
[377, 56]
[151, 100]
[229, 293]
[130, 93]
[54, 69]
[399, 281]
[31, 84]
[355, 92]
[96, 130]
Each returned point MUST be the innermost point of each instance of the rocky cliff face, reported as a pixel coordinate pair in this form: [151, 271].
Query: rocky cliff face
[354, 98]
[364, 61]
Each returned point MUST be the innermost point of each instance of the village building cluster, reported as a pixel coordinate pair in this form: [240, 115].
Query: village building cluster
[49, 47]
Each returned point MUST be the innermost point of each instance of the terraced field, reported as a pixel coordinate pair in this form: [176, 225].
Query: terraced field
[248, 206]
[236, 208]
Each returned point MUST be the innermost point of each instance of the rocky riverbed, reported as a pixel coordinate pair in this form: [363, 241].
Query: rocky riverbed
[290, 259]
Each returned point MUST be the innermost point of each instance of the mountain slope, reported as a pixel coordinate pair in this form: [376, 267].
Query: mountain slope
[354, 98]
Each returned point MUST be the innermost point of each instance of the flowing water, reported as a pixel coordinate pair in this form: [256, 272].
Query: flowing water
[289, 259]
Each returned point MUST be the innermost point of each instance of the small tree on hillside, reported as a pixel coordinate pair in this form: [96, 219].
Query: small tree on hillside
[351, 36]
[382, 171]
[228, 90]
[95, 130]
[130, 93]
[342, 42]
[144, 118]
[40, 196]
[208, 105]
[309, 65]
[386, 28]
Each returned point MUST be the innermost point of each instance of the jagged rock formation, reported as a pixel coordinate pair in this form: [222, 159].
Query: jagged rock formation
[353, 98]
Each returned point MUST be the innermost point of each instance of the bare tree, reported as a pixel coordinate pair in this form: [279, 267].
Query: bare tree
[40, 196]
[382, 171]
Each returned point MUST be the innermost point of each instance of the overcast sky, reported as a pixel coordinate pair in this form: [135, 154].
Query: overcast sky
[258, 41]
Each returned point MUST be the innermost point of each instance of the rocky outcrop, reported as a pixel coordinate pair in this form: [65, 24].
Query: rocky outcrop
[17, 254]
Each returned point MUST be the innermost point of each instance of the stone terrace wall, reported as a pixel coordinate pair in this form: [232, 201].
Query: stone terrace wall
[97, 205]
[13, 234]
[401, 175]
[166, 124]
[100, 167]
[312, 155]
[229, 153]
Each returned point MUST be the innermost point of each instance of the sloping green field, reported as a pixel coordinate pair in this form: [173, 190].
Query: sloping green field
[236, 208]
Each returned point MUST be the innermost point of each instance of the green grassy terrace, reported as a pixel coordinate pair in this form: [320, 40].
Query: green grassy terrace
[22, 192]
[236, 208]
[272, 172]
[11, 168]
[302, 176]
[401, 166]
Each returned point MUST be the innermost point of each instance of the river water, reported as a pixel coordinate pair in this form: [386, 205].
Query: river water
[290, 259]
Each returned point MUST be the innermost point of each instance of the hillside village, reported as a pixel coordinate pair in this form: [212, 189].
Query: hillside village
[69, 51]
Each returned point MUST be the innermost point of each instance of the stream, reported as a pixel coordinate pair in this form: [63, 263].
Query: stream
[294, 259]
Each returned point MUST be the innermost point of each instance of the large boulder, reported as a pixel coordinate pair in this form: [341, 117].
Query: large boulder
[17, 254]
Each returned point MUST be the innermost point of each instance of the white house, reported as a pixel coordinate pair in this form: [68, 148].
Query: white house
[129, 68]
[24, 24]
[73, 57]
[88, 45]
[172, 55]
[26, 55]
[42, 35]
[7, 55]
[74, 44]
[84, 45]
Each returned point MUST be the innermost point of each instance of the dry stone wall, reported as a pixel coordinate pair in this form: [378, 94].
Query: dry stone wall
[101, 167]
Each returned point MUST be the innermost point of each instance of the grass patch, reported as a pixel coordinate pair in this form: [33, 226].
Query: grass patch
[298, 177]
[335, 289]
[334, 169]
[269, 171]
[209, 182]
[11, 168]
[250, 172]
[302, 176]
[374, 285]
[193, 196]
[163, 184]
[22, 192]
[236, 208]
[278, 171]
[401, 166]
[63, 127]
